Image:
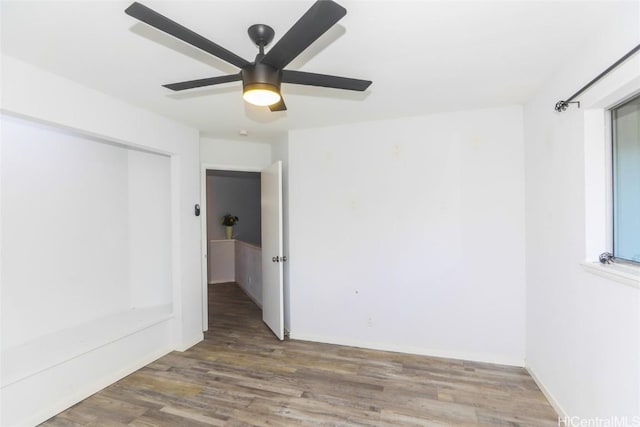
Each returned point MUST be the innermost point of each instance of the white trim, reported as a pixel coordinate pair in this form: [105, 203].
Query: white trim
[552, 400]
[203, 230]
[1, 326]
[186, 345]
[251, 297]
[27, 360]
[76, 131]
[218, 282]
[204, 250]
[235, 168]
[83, 375]
[250, 245]
[176, 246]
[475, 357]
[619, 86]
[76, 395]
[597, 180]
[622, 273]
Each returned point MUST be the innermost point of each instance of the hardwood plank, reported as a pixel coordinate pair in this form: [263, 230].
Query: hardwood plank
[241, 375]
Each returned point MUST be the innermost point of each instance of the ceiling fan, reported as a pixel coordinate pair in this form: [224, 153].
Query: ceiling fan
[261, 79]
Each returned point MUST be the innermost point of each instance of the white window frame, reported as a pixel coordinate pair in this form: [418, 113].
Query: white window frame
[611, 179]
[616, 88]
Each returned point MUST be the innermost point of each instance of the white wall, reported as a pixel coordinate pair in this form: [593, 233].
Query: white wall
[409, 235]
[234, 154]
[248, 266]
[149, 228]
[583, 331]
[41, 96]
[239, 195]
[76, 244]
[57, 203]
[222, 261]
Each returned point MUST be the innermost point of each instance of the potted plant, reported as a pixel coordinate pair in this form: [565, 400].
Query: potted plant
[229, 221]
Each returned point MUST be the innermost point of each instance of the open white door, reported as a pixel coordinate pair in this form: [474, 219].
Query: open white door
[272, 256]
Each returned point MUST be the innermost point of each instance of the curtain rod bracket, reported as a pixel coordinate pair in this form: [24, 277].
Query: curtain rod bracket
[563, 105]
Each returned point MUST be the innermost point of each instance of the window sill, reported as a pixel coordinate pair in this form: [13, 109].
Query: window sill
[623, 273]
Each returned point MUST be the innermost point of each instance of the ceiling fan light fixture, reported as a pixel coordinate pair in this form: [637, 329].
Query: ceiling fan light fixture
[261, 79]
[261, 94]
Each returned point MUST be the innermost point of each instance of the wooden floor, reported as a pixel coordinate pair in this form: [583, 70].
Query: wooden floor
[241, 375]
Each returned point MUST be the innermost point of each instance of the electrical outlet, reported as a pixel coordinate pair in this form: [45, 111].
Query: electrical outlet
[369, 322]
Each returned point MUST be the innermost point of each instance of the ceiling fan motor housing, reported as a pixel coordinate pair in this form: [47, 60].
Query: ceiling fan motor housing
[261, 76]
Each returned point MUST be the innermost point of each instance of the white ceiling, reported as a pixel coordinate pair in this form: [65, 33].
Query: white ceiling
[423, 56]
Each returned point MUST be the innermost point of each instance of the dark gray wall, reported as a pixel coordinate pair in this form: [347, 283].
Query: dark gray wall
[237, 193]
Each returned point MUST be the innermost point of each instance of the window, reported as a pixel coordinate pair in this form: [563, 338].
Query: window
[625, 121]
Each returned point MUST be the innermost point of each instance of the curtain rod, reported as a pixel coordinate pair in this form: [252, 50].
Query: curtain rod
[563, 105]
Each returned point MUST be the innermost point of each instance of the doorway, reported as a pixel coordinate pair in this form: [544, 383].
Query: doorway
[259, 268]
[234, 257]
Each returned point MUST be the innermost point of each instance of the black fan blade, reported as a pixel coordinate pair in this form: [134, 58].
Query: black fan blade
[324, 80]
[153, 18]
[314, 23]
[278, 106]
[204, 82]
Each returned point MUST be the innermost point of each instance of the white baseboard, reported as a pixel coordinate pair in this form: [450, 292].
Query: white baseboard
[186, 345]
[251, 297]
[475, 357]
[79, 395]
[38, 397]
[552, 400]
[28, 359]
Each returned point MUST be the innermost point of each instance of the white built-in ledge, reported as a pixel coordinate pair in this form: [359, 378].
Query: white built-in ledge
[623, 273]
[250, 245]
[42, 353]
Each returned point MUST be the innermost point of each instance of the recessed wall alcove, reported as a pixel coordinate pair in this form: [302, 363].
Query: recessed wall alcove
[86, 245]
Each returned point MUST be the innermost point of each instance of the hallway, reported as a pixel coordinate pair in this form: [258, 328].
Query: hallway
[241, 375]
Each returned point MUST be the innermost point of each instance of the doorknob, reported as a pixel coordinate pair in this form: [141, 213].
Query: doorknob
[284, 258]
[275, 259]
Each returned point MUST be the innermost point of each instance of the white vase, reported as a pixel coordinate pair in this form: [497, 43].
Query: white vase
[229, 231]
